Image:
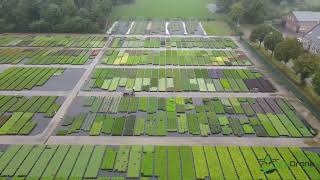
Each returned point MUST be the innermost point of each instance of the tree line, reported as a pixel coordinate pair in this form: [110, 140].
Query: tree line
[258, 11]
[305, 65]
[61, 16]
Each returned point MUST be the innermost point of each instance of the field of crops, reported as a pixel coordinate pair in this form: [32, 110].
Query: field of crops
[164, 9]
[17, 113]
[168, 79]
[46, 56]
[76, 41]
[26, 78]
[173, 42]
[175, 57]
[157, 162]
[151, 116]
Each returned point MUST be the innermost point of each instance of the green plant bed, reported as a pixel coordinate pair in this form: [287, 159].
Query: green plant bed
[25, 78]
[176, 57]
[176, 42]
[152, 116]
[144, 162]
[290, 79]
[76, 41]
[18, 113]
[173, 79]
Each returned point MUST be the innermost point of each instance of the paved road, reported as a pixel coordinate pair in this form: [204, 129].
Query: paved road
[216, 141]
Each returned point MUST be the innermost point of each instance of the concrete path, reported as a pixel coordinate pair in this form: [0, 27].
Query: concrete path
[111, 28]
[184, 28]
[175, 141]
[201, 27]
[131, 25]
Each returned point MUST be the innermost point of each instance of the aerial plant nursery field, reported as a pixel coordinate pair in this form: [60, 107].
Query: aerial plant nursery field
[155, 162]
[75, 41]
[174, 42]
[46, 56]
[23, 115]
[120, 104]
[168, 80]
[152, 116]
[175, 57]
[164, 9]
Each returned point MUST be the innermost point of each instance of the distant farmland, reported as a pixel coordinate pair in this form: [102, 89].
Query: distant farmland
[164, 9]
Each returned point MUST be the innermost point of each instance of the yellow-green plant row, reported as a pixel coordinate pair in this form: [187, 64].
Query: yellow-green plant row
[161, 162]
[176, 57]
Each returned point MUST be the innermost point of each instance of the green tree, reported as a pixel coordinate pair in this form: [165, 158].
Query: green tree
[271, 40]
[259, 33]
[255, 10]
[306, 65]
[52, 14]
[316, 82]
[236, 13]
[40, 26]
[288, 49]
[225, 5]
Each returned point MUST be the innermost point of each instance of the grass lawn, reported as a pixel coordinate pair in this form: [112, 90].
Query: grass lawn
[163, 9]
[216, 28]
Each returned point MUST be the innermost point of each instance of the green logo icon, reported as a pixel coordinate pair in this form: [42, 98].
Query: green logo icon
[267, 164]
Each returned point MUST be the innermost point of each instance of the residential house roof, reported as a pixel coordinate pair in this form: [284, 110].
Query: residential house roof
[314, 34]
[308, 16]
